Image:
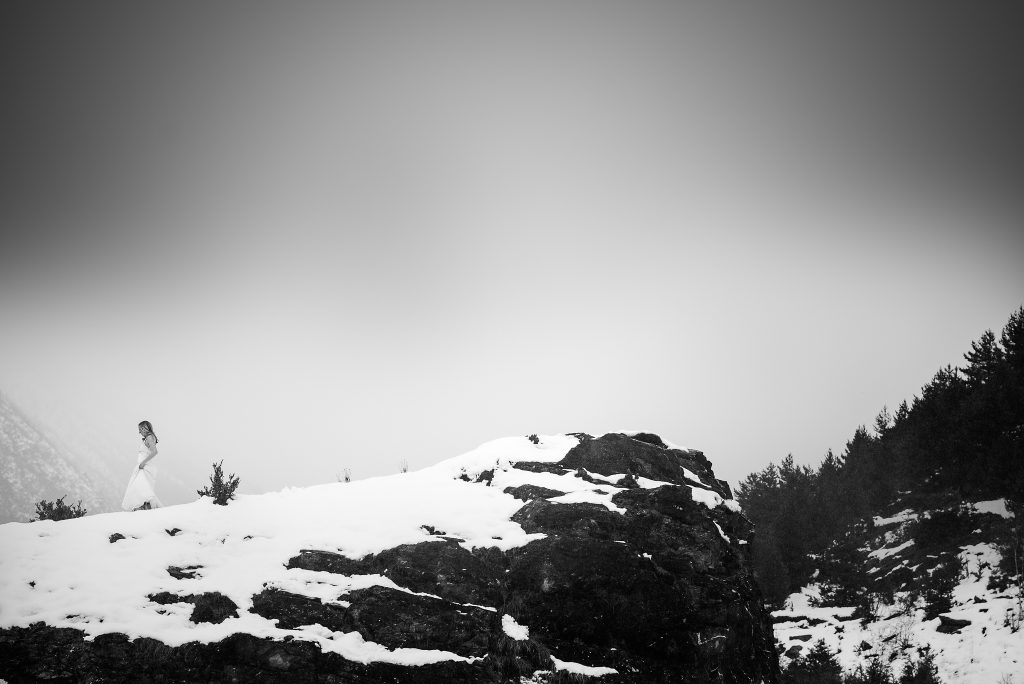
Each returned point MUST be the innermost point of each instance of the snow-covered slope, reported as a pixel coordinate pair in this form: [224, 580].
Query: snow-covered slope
[934, 585]
[514, 505]
[67, 574]
[34, 466]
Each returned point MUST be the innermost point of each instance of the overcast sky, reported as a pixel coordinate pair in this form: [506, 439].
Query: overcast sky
[308, 236]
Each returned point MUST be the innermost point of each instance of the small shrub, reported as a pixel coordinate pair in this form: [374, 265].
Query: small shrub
[58, 510]
[924, 671]
[533, 438]
[819, 666]
[219, 489]
[404, 465]
[876, 672]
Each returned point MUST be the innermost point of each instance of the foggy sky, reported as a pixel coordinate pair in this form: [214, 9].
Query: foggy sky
[309, 236]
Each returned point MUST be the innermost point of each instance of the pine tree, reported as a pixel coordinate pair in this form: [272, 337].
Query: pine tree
[983, 360]
[219, 489]
[819, 666]
[1012, 339]
[923, 671]
[883, 421]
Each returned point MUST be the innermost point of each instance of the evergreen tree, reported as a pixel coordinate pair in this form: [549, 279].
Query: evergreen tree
[819, 666]
[1012, 339]
[983, 360]
[923, 671]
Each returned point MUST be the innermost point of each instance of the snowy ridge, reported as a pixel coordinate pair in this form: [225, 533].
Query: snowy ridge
[71, 573]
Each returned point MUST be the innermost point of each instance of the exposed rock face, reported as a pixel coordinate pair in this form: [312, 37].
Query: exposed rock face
[657, 590]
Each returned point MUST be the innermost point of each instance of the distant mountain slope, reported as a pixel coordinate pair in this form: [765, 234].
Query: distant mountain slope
[34, 466]
[908, 546]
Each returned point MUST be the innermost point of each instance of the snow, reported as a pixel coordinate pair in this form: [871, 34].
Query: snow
[647, 483]
[68, 573]
[590, 496]
[514, 629]
[706, 496]
[995, 506]
[577, 668]
[890, 551]
[902, 517]
[987, 650]
[82, 580]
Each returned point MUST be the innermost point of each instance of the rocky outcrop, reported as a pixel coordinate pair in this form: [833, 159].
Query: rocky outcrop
[651, 585]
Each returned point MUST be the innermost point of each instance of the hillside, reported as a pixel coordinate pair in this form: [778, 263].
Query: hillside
[909, 546]
[541, 559]
[34, 466]
[931, 578]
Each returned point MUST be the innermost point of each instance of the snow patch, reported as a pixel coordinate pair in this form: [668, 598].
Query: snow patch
[514, 629]
[995, 506]
[578, 668]
[886, 552]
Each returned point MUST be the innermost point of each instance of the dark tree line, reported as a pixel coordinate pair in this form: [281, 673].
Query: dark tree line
[964, 434]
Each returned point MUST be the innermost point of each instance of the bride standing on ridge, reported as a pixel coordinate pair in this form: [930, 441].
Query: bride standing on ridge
[141, 492]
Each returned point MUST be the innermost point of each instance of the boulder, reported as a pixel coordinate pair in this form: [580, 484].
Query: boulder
[948, 625]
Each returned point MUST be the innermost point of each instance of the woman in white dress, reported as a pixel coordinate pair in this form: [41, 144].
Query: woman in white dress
[141, 491]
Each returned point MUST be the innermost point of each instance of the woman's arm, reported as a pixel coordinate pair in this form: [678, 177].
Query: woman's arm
[150, 443]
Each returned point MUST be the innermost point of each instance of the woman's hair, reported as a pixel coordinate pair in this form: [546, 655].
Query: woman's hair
[149, 426]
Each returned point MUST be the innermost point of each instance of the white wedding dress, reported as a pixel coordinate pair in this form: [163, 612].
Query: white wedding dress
[142, 484]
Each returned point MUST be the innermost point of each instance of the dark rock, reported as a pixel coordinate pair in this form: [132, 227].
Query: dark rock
[864, 646]
[173, 531]
[582, 436]
[810, 621]
[398, 619]
[801, 637]
[585, 519]
[43, 653]
[615, 453]
[117, 536]
[541, 467]
[166, 597]
[212, 607]
[446, 569]
[529, 492]
[293, 610]
[327, 561]
[649, 438]
[629, 482]
[188, 572]
[794, 651]
[441, 567]
[485, 476]
[430, 529]
[948, 625]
